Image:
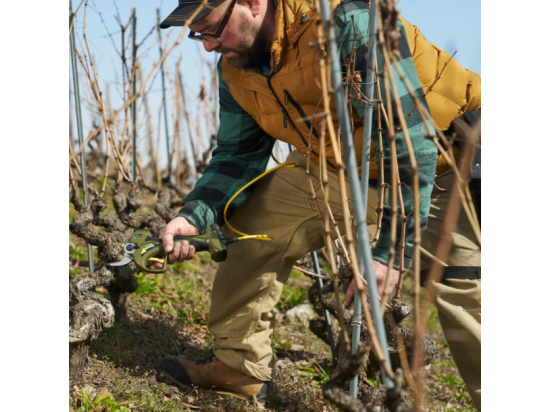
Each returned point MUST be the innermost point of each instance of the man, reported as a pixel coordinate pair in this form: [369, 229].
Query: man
[268, 91]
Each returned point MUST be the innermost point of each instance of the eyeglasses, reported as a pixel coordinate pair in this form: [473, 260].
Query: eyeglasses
[215, 38]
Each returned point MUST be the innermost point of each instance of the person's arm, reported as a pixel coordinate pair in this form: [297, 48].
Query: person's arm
[425, 150]
[242, 154]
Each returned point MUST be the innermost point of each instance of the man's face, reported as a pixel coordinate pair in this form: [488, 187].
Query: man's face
[242, 43]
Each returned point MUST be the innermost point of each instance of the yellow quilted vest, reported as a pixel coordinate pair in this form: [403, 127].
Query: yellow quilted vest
[286, 103]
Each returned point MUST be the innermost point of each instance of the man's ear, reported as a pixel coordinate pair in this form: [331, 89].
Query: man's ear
[255, 6]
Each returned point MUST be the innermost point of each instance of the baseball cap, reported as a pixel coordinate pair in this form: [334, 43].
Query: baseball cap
[186, 8]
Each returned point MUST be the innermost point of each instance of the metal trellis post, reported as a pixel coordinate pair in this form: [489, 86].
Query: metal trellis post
[78, 112]
[71, 126]
[184, 108]
[164, 100]
[134, 105]
[367, 123]
[364, 248]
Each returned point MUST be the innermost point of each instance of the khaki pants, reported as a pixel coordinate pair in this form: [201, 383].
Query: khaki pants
[459, 307]
[249, 283]
[458, 302]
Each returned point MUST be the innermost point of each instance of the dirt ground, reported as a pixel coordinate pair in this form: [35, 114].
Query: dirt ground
[168, 316]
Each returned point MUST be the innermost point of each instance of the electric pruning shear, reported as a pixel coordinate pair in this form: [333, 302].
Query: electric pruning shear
[144, 249]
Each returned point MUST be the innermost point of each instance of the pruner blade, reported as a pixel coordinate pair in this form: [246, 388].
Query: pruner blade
[125, 260]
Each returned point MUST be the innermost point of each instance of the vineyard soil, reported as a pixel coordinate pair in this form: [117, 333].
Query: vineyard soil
[167, 315]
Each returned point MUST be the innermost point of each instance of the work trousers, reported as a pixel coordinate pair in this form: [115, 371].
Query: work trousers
[249, 283]
[458, 301]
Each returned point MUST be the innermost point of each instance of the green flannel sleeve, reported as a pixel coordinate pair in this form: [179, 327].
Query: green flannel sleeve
[425, 150]
[242, 154]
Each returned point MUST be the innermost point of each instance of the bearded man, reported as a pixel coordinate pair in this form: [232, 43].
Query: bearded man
[269, 89]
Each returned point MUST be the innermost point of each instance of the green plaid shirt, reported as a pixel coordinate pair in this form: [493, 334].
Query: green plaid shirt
[244, 148]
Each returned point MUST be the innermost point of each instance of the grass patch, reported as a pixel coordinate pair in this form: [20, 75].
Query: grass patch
[291, 297]
[315, 374]
[148, 284]
[78, 253]
[457, 390]
[433, 320]
[296, 274]
[104, 401]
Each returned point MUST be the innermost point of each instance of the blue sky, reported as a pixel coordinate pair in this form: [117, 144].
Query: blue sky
[452, 25]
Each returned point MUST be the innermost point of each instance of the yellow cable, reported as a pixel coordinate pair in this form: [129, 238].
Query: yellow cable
[260, 237]
[244, 235]
[275, 159]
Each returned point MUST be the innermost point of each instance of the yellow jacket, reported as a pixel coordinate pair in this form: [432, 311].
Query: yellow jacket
[286, 104]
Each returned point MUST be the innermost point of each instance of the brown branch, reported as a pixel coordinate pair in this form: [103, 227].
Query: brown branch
[340, 169]
[311, 186]
[395, 186]
[152, 153]
[126, 208]
[307, 272]
[382, 182]
[75, 162]
[344, 337]
[432, 86]
[386, 47]
[73, 17]
[72, 181]
[110, 119]
[177, 117]
[402, 350]
[96, 88]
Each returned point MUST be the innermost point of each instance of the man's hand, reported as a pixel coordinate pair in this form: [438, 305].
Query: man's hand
[380, 271]
[179, 251]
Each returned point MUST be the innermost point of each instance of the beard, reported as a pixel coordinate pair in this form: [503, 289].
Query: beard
[250, 51]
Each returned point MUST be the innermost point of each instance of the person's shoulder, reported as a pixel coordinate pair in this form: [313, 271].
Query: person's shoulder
[346, 9]
[351, 7]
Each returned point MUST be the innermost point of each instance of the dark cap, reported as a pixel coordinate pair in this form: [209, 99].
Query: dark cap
[186, 8]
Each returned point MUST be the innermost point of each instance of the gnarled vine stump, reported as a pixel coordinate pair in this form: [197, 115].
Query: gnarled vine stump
[89, 314]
